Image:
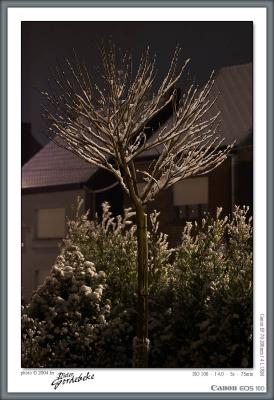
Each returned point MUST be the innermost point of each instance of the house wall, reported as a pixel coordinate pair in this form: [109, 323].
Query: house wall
[220, 188]
[244, 178]
[98, 193]
[38, 255]
[219, 195]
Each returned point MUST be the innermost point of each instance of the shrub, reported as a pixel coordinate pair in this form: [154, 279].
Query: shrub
[110, 243]
[66, 312]
[210, 320]
[200, 299]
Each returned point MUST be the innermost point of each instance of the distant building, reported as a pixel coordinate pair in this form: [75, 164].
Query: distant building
[29, 145]
[54, 177]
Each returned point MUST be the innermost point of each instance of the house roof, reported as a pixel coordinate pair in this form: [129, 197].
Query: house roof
[54, 165]
[233, 90]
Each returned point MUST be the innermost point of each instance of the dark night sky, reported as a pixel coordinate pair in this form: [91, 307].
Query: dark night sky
[210, 45]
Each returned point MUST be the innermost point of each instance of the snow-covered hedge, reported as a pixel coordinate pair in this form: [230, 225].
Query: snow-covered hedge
[200, 302]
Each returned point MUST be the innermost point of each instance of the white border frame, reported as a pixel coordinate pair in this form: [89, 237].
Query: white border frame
[160, 380]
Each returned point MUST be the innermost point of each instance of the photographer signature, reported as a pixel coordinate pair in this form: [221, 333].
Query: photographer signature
[65, 378]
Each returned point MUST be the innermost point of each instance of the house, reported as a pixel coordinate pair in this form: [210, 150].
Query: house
[54, 178]
[30, 145]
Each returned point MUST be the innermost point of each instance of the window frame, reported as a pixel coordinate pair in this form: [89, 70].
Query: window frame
[202, 207]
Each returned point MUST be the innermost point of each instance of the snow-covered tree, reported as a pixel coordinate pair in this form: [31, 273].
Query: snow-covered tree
[104, 120]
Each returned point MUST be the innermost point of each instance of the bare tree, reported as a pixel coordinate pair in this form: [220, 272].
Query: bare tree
[103, 120]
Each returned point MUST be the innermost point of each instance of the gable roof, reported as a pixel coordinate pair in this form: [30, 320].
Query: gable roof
[54, 165]
[233, 89]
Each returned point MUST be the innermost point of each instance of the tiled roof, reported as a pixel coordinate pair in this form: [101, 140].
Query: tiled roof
[54, 165]
[233, 87]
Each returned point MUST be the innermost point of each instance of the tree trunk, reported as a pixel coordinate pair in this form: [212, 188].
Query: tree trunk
[141, 342]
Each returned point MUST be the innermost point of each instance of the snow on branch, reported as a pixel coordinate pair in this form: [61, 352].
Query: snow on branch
[104, 119]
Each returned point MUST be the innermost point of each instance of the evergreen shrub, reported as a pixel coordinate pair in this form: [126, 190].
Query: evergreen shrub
[200, 296]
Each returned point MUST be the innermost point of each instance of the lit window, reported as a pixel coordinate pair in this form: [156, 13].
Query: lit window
[190, 198]
[50, 223]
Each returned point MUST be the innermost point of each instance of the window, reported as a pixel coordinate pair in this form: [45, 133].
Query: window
[190, 198]
[50, 223]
